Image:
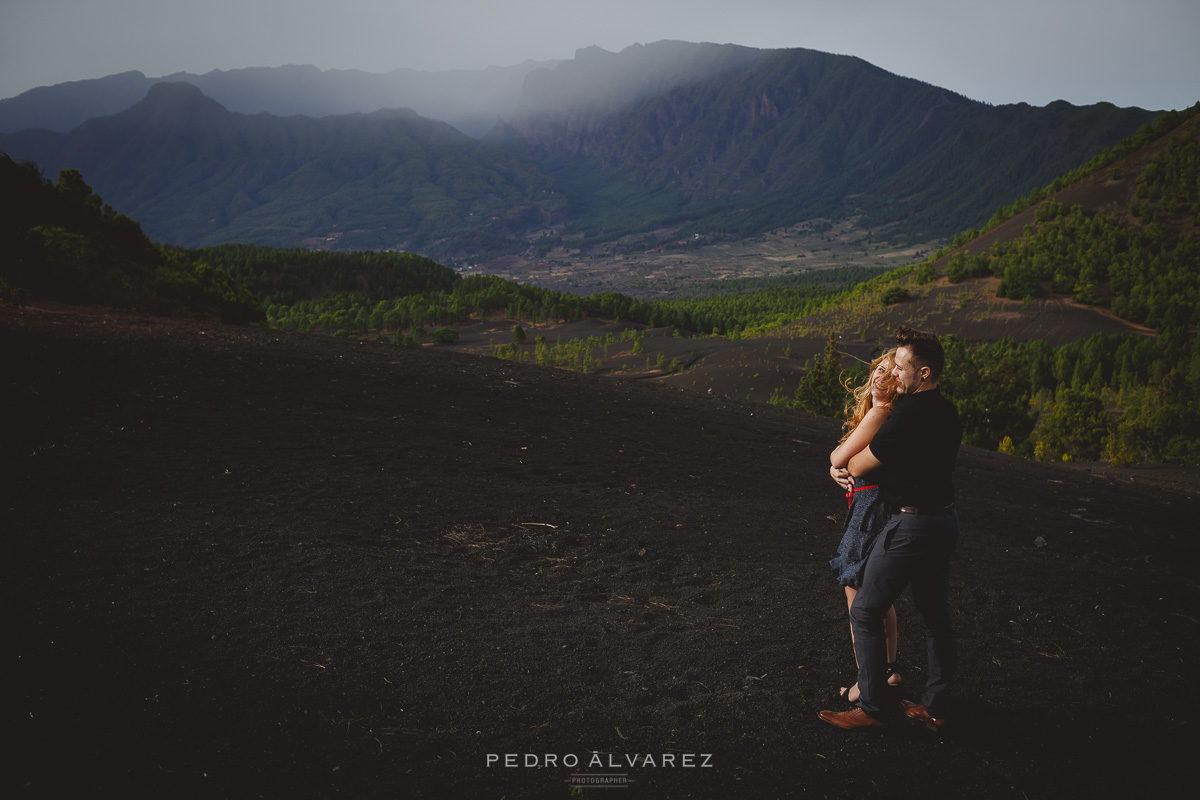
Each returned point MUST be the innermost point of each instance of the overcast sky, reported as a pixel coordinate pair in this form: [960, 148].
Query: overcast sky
[1128, 52]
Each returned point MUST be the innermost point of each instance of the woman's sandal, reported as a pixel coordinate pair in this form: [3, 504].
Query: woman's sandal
[893, 669]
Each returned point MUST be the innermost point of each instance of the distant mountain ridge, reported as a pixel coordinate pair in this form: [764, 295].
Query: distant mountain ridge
[599, 82]
[195, 173]
[806, 133]
[470, 100]
[668, 136]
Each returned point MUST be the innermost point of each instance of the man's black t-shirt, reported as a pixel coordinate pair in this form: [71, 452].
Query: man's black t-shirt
[918, 445]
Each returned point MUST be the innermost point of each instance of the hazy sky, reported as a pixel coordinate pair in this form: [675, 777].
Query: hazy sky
[1129, 52]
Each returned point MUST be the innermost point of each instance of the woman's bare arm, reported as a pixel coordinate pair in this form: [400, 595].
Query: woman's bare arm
[860, 437]
[863, 462]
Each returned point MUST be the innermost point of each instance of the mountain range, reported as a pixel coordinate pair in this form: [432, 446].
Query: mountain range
[749, 140]
[676, 136]
[193, 172]
[470, 100]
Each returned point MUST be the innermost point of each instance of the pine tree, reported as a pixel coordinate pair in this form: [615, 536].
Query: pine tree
[820, 390]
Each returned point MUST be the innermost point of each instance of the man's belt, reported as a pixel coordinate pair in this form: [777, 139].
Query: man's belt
[923, 511]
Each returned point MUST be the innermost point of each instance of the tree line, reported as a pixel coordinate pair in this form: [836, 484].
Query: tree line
[284, 276]
[440, 297]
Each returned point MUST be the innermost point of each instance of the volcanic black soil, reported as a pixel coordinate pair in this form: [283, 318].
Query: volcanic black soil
[247, 564]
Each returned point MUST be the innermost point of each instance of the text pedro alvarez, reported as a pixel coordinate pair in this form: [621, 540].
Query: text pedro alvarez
[613, 760]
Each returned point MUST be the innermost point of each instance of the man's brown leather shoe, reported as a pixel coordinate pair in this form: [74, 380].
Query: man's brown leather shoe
[852, 720]
[917, 711]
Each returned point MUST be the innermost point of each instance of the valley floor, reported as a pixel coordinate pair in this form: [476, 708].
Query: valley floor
[659, 264]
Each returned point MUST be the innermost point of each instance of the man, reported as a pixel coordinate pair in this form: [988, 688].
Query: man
[913, 454]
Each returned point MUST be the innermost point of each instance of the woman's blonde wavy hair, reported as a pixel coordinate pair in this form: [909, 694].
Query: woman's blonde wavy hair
[859, 402]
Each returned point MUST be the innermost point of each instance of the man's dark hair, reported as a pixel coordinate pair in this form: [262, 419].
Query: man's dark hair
[926, 349]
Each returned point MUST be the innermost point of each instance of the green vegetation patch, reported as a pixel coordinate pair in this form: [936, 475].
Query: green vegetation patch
[65, 243]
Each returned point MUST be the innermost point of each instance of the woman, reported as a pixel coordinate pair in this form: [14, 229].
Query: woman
[866, 410]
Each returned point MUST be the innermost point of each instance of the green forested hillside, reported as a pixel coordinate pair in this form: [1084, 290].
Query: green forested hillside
[64, 243]
[1137, 254]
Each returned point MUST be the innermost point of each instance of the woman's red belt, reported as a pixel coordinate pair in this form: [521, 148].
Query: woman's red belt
[850, 494]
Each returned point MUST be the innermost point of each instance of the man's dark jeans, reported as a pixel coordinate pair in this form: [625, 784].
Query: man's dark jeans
[910, 549]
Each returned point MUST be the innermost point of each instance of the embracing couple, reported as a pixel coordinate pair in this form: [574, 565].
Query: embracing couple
[895, 463]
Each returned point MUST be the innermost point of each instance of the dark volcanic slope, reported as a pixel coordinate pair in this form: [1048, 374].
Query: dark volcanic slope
[244, 564]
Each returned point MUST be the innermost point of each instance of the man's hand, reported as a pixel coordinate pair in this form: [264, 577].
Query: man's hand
[842, 477]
